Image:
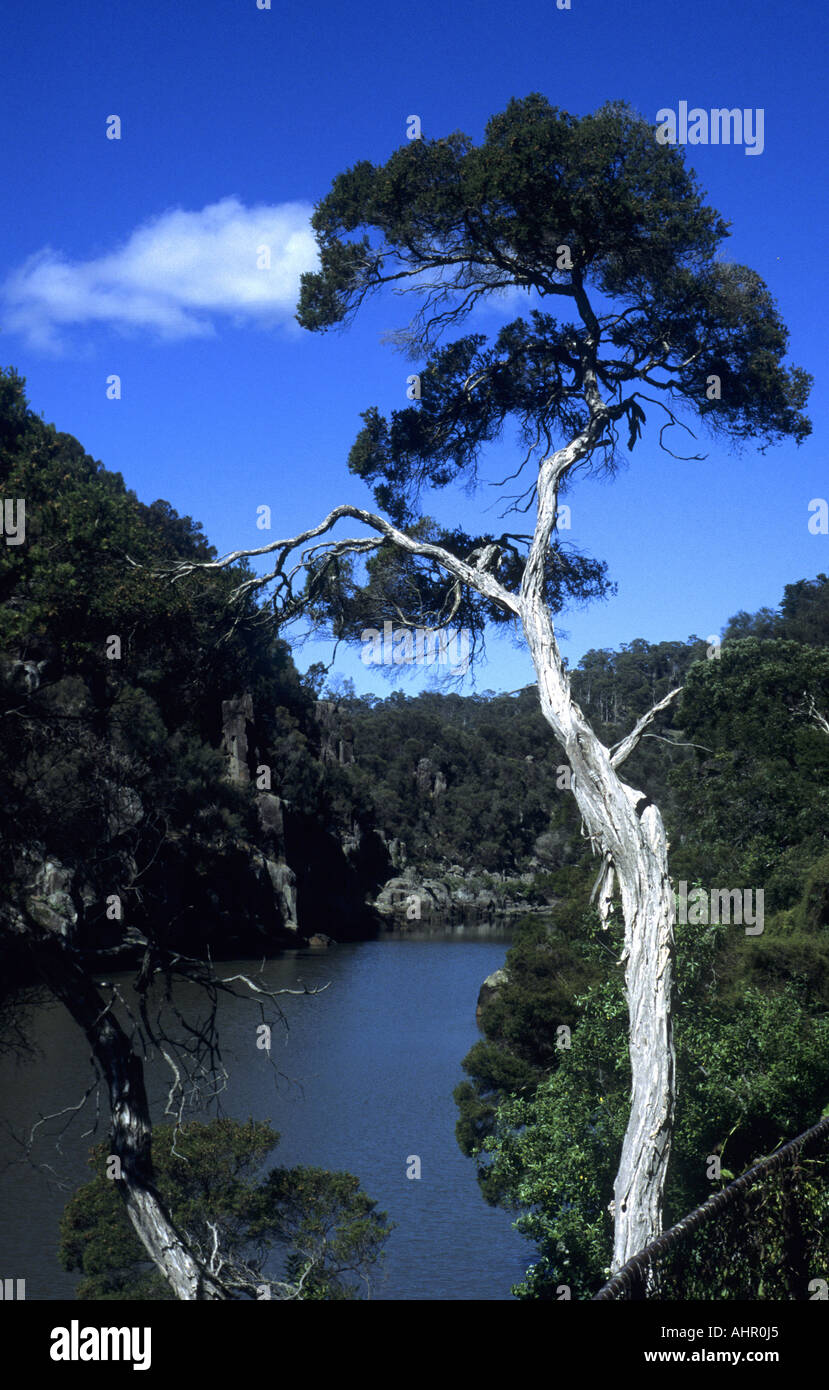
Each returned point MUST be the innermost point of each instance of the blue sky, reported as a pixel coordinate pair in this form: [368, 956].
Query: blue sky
[123, 257]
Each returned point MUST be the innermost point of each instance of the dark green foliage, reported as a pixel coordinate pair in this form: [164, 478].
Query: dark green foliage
[499, 764]
[751, 1072]
[550, 964]
[804, 612]
[755, 695]
[561, 207]
[108, 761]
[320, 1223]
[814, 908]
[601, 184]
[497, 214]
[349, 602]
[803, 616]
[506, 805]
[752, 805]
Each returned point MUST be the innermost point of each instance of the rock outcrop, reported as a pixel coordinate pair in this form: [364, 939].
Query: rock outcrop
[270, 813]
[237, 727]
[287, 880]
[413, 897]
[47, 899]
[336, 733]
[429, 780]
[490, 987]
[455, 895]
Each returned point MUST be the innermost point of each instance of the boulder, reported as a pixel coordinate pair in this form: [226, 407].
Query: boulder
[489, 989]
[320, 942]
[427, 895]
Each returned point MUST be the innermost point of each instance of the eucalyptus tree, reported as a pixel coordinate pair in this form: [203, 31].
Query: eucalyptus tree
[592, 217]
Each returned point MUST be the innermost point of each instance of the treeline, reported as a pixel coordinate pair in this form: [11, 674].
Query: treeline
[737, 767]
[478, 780]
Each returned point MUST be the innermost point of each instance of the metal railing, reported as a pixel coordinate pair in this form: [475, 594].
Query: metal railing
[763, 1237]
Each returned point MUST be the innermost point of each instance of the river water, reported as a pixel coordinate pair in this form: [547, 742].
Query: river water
[367, 1068]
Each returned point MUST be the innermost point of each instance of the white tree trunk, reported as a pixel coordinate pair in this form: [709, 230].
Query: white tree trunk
[628, 831]
[647, 904]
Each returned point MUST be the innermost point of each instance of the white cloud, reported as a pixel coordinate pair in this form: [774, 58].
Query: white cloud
[174, 276]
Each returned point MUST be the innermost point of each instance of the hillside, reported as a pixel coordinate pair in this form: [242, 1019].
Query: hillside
[160, 762]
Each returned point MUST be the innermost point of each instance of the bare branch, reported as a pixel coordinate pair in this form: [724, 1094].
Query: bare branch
[679, 743]
[622, 750]
[482, 581]
[67, 1110]
[670, 424]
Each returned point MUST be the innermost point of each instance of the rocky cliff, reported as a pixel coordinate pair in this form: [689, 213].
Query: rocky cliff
[293, 879]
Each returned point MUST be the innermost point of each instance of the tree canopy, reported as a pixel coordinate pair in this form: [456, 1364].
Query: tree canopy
[319, 1225]
[589, 212]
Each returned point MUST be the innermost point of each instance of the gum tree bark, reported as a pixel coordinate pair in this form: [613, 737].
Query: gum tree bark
[627, 830]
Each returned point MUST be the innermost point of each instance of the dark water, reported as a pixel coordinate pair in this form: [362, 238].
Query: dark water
[368, 1067]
